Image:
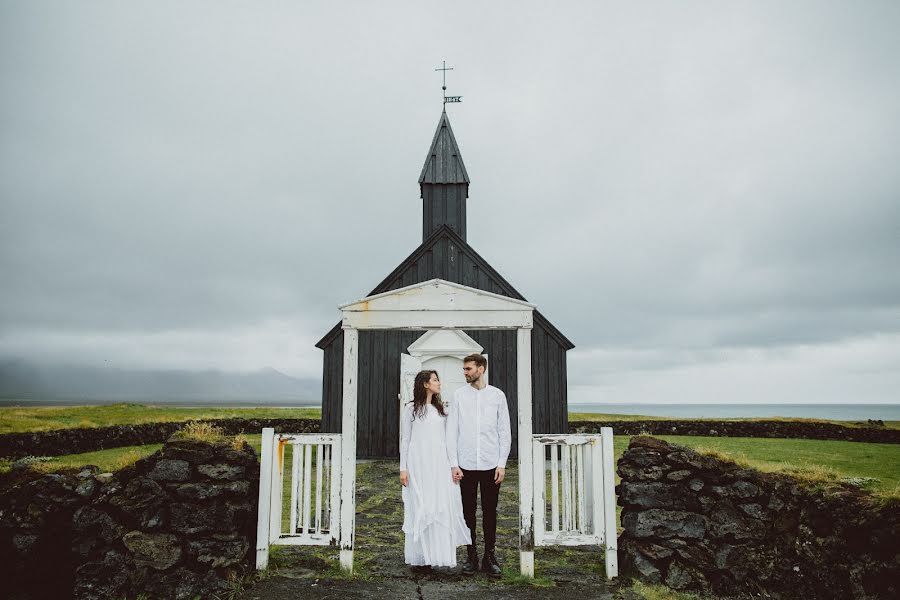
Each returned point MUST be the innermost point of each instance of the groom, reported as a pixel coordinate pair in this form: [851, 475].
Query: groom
[478, 443]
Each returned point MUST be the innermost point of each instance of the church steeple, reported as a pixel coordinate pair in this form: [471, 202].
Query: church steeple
[444, 183]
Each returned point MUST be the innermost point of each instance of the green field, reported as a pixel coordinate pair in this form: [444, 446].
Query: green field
[15, 419]
[578, 416]
[824, 460]
[19, 419]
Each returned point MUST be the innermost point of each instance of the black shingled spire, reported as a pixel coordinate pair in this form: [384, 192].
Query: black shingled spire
[444, 183]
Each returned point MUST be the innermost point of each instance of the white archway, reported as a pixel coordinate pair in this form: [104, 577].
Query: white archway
[582, 504]
[437, 305]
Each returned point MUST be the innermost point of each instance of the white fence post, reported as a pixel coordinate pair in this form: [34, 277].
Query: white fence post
[539, 462]
[265, 497]
[334, 490]
[526, 471]
[276, 459]
[609, 503]
[348, 450]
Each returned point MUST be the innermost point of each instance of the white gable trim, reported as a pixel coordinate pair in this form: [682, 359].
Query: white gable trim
[438, 283]
[438, 304]
[440, 342]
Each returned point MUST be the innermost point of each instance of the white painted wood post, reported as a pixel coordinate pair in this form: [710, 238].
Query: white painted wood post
[554, 488]
[579, 463]
[589, 528]
[307, 486]
[348, 447]
[277, 479]
[539, 461]
[334, 491]
[318, 523]
[295, 482]
[567, 488]
[526, 472]
[609, 503]
[597, 499]
[265, 497]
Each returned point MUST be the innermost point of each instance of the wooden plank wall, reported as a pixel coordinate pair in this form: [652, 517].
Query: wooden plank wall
[379, 384]
[444, 205]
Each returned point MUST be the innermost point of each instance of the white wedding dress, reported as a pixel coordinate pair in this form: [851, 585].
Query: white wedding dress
[433, 523]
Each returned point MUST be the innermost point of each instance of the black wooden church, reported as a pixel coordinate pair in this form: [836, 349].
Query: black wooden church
[446, 254]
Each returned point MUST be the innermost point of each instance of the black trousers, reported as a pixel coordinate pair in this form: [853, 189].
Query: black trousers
[490, 493]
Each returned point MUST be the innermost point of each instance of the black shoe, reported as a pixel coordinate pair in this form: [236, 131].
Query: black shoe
[471, 564]
[422, 569]
[490, 565]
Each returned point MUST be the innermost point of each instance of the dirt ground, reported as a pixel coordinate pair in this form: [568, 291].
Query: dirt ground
[379, 570]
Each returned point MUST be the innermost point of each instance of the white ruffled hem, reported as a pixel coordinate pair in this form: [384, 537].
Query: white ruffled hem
[432, 536]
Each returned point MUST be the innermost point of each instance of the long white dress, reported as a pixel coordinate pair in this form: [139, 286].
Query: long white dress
[433, 523]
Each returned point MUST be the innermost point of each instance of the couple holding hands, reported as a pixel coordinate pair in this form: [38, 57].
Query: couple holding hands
[446, 455]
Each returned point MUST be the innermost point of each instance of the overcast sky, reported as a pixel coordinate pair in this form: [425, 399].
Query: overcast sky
[704, 196]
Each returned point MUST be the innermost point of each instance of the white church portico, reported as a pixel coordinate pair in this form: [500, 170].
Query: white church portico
[437, 305]
[573, 472]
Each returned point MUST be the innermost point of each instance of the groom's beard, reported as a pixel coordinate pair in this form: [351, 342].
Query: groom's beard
[473, 378]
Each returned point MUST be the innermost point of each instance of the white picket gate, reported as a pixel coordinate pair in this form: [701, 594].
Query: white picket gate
[576, 472]
[315, 484]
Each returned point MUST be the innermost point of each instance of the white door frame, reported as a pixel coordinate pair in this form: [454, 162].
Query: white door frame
[434, 343]
[437, 304]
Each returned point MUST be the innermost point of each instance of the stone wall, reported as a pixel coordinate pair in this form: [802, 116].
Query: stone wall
[75, 441]
[176, 524]
[697, 523]
[808, 430]
[36, 532]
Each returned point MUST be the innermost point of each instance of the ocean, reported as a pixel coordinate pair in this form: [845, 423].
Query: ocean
[834, 412]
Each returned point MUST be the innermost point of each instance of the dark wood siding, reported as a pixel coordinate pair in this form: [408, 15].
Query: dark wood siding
[379, 384]
[444, 204]
[450, 258]
[333, 385]
[378, 412]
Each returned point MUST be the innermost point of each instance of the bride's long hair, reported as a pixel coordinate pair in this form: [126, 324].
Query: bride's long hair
[420, 395]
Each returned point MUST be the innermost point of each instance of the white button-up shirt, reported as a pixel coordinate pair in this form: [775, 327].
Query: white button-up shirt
[479, 434]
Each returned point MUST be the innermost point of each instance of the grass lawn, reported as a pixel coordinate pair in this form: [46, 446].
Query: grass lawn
[17, 419]
[578, 416]
[111, 459]
[837, 459]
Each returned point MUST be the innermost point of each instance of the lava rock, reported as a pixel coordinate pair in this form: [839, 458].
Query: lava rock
[156, 550]
[171, 470]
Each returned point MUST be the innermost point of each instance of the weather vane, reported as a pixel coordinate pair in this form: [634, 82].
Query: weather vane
[447, 98]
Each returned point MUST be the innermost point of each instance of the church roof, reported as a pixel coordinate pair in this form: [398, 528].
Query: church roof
[446, 255]
[444, 163]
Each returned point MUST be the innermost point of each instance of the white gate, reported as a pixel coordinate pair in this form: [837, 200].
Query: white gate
[315, 482]
[576, 472]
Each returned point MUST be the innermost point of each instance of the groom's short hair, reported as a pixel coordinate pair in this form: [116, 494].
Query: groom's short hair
[478, 359]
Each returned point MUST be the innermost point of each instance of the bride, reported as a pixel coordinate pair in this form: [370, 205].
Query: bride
[433, 523]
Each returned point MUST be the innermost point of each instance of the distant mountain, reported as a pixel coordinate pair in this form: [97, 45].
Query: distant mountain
[26, 380]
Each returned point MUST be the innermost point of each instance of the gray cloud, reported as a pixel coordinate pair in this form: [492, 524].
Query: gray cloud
[679, 181]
